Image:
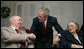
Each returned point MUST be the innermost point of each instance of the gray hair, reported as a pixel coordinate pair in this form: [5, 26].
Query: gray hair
[46, 11]
[75, 24]
[12, 17]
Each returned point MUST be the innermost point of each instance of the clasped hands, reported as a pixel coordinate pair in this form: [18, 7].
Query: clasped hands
[32, 36]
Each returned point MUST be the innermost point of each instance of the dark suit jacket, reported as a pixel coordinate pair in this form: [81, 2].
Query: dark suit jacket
[81, 31]
[37, 29]
[81, 28]
[67, 39]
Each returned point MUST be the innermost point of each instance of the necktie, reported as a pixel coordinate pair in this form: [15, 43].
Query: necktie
[22, 43]
[17, 30]
[43, 39]
[44, 27]
[27, 30]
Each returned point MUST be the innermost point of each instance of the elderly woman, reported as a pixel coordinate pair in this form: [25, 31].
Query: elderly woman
[70, 37]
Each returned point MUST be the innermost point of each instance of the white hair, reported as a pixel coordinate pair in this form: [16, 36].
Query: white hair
[12, 17]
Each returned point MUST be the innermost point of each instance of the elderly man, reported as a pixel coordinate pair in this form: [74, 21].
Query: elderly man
[13, 37]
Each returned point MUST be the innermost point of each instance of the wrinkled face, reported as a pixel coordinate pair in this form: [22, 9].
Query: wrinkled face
[41, 16]
[17, 21]
[72, 27]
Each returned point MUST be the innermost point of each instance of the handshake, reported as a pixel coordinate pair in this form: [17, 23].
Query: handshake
[31, 36]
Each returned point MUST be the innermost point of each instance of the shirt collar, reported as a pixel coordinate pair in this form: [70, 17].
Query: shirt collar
[46, 20]
[13, 27]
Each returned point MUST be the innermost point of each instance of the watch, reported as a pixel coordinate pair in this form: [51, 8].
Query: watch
[5, 11]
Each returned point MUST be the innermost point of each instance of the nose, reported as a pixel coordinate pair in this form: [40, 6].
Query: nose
[21, 22]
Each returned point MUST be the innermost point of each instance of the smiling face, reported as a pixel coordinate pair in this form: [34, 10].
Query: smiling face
[72, 27]
[16, 21]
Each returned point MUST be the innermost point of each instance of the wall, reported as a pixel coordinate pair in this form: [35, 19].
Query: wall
[64, 11]
[12, 6]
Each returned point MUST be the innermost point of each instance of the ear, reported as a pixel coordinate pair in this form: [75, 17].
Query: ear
[12, 20]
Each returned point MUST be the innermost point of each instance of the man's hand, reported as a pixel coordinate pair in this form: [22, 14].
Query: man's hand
[56, 40]
[31, 36]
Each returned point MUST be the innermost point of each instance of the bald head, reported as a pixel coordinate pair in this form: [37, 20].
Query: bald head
[13, 17]
[15, 21]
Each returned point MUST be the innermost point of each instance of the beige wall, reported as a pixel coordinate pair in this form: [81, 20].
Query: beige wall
[12, 6]
[64, 11]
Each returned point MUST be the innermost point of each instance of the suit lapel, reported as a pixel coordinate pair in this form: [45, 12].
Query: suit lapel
[48, 24]
[11, 29]
[22, 32]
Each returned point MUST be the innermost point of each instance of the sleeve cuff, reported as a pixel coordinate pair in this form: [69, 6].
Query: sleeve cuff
[59, 35]
[25, 36]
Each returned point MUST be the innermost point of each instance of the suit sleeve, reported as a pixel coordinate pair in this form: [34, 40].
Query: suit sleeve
[33, 27]
[7, 36]
[57, 26]
[64, 42]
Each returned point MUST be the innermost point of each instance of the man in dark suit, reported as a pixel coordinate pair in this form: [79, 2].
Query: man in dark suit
[42, 28]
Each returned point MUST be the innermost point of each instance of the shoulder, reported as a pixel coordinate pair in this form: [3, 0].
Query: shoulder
[2, 28]
[6, 28]
[80, 32]
[52, 18]
[35, 18]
